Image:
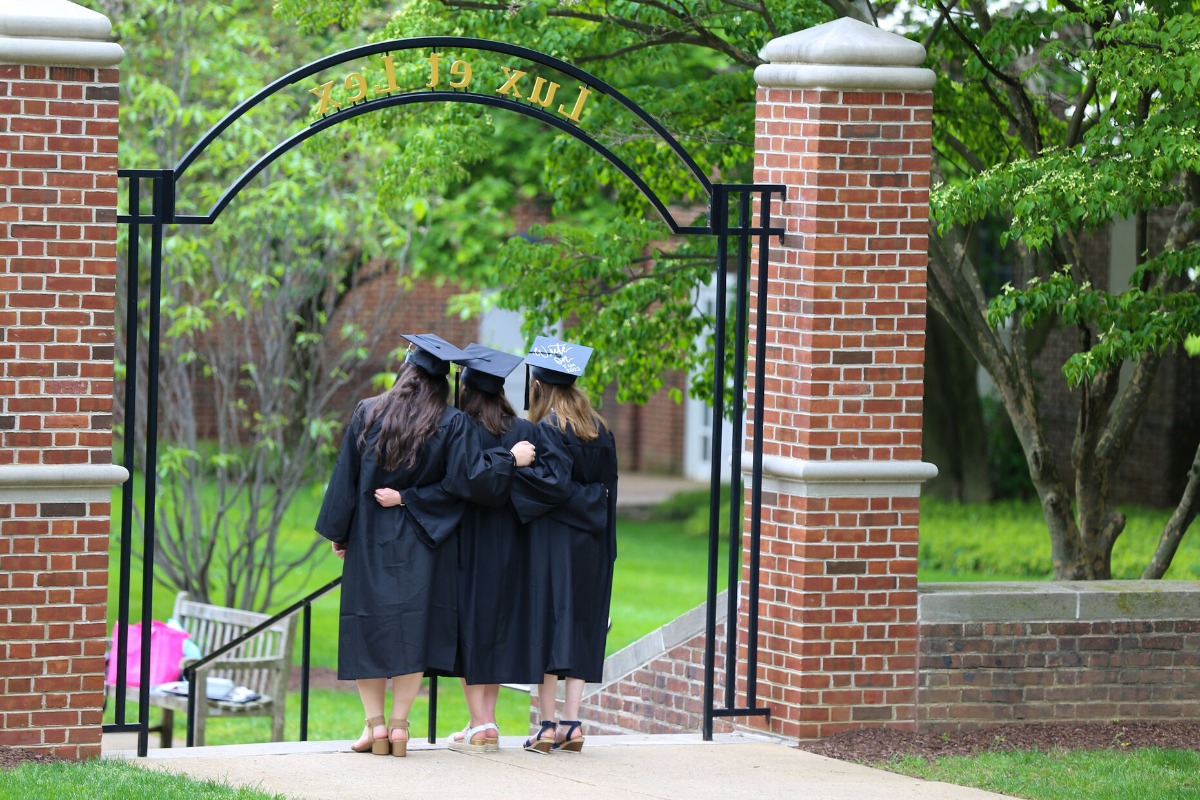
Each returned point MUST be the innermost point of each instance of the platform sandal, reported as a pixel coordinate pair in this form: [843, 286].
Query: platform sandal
[536, 744]
[467, 743]
[379, 746]
[569, 745]
[399, 747]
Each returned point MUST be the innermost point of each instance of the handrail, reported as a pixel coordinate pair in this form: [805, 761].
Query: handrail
[189, 672]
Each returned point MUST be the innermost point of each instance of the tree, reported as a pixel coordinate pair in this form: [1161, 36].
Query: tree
[1096, 121]
[269, 314]
[1049, 123]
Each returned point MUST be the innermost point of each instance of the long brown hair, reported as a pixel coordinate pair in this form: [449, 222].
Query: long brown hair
[408, 415]
[572, 409]
[492, 411]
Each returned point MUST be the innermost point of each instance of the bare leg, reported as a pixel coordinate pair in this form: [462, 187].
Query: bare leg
[371, 692]
[542, 740]
[404, 692]
[489, 696]
[548, 698]
[574, 696]
[476, 697]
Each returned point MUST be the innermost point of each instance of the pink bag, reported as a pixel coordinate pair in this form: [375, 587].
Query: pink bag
[166, 651]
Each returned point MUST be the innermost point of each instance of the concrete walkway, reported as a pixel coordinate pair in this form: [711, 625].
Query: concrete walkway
[645, 490]
[630, 767]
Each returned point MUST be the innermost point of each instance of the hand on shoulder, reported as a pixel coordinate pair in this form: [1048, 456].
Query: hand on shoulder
[524, 453]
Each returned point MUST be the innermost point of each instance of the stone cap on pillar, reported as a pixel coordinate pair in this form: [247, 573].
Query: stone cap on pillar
[56, 33]
[844, 54]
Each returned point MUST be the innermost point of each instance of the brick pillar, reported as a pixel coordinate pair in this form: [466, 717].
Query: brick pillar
[843, 120]
[58, 230]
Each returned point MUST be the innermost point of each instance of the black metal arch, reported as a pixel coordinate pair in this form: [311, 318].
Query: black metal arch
[409, 98]
[425, 95]
[738, 215]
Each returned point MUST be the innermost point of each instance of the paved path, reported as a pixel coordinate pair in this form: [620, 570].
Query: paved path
[631, 767]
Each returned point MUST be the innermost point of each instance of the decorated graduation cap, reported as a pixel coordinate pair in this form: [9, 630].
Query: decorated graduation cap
[485, 368]
[432, 353]
[552, 361]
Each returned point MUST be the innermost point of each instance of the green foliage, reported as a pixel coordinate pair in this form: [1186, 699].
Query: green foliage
[1116, 774]
[1008, 539]
[1134, 74]
[692, 511]
[262, 326]
[601, 268]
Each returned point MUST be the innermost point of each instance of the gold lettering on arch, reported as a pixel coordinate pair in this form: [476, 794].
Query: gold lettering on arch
[378, 79]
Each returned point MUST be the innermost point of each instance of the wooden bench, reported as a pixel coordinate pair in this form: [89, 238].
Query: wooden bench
[262, 663]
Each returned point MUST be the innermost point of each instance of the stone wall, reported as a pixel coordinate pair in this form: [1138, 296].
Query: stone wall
[1058, 652]
[990, 654]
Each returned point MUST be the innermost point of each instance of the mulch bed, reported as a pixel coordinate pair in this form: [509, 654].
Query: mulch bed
[875, 745]
[13, 757]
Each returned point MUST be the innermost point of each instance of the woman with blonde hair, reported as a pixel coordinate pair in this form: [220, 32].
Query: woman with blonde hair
[568, 501]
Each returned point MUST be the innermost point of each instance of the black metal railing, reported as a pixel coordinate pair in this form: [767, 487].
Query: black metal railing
[743, 232]
[305, 604]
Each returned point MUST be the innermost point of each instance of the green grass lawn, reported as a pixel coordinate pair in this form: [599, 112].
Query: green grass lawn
[104, 779]
[1142, 774]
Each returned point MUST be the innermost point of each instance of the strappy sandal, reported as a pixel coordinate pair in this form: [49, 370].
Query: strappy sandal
[399, 747]
[375, 746]
[569, 745]
[467, 743]
[536, 744]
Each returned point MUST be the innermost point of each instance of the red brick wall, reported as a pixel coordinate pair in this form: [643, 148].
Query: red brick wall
[419, 307]
[58, 161]
[976, 674]
[990, 654]
[844, 371]
[664, 695]
[1065, 652]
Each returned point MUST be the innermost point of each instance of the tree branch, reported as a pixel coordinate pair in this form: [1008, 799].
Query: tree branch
[1181, 519]
[1075, 128]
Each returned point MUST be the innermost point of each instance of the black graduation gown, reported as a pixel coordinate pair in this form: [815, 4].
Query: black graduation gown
[494, 636]
[568, 502]
[399, 606]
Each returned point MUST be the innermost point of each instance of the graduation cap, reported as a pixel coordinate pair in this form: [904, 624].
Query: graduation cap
[432, 353]
[552, 361]
[485, 368]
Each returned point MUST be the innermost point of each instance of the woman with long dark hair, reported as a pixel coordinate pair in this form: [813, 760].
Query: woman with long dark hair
[569, 505]
[406, 467]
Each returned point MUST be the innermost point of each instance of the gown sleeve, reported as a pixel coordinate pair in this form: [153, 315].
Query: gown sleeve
[547, 487]
[586, 509]
[546, 484]
[438, 507]
[491, 479]
[341, 494]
